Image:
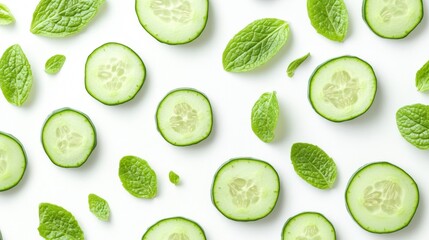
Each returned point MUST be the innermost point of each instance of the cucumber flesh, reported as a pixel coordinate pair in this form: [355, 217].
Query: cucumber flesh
[68, 138]
[382, 198]
[114, 74]
[173, 21]
[342, 88]
[184, 117]
[13, 161]
[176, 228]
[245, 189]
[308, 225]
[393, 19]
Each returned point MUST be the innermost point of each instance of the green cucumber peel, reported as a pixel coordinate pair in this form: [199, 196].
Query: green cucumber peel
[16, 77]
[255, 45]
[265, 115]
[6, 18]
[313, 165]
[56, 223]
[137, 177]
[62, 18]
[329, 17]
[295, 64]
[54, 64]
[413, 124]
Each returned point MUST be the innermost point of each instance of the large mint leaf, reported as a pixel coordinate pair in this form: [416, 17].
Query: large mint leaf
[16, 77]
[313, 165]
[329, 17]
[422, 78]
[99, 207]
[265, 114]
[255, 45]
[137, 177]
[413, 124]
[56, 223]
[61, 18]
[6, 16]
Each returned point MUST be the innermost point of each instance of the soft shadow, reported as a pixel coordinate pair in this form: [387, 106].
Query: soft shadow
[282, 127]
[92, 161]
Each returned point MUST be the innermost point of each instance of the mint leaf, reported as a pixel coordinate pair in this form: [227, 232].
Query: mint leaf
[255, 44]
[99, 207]
[16, 77]
[174, 178]
[54, 64]
[6, 16]
[413, 124]
[137, 177]
[329, 17]
[1, 238]
[56, 223]
[295, 64]
[313, 165]
[422, 78]
[265, 114]
[62, 18]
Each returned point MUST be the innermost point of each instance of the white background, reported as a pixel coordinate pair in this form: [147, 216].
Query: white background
[130, 129]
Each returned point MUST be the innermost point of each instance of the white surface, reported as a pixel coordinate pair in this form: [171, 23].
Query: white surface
[130, 128]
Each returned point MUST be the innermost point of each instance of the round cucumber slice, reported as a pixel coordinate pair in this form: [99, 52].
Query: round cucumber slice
[68, 138]
[175, 228]
[184, 117]
[382, 198]
[393, 19]
[13, 161]
[114, 74]
[308, 225]
[342, 88]
[245, 189]
[173, 21]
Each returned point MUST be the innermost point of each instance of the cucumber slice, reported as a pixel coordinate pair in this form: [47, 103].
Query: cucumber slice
[342, 88]
[184, 117]
[13, 161]
[176, 228]
[114, 74]
[68, 138]
[245, 189]
[382, 198]
[173, 21]
[393, 19]
[308, 225]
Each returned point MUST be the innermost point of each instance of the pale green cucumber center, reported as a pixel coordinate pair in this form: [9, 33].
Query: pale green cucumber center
[184, 119]
[178, 236]
[383, 196]
[342, 90]
[3, 162]
[67, 140]
[393, 9]
[179, 11]
[244, 192]
[310, 232]
[113, 74]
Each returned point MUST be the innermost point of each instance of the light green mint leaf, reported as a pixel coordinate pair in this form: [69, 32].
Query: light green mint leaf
[6, 16]
[54, 64]
[174, 178]
[422, 78]
[137, 177]
[413, 124]
[16, 77]
[265, 114]
[329, 17]
[313, 165]
[99, 207]
[62, 18]
[56, 223]
[295, 64]
[255, 45]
